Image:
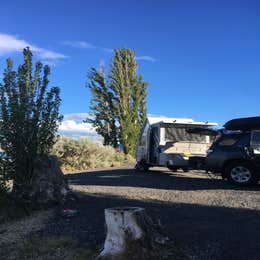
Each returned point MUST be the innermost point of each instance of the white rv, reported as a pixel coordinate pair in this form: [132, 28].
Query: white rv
[168, 142]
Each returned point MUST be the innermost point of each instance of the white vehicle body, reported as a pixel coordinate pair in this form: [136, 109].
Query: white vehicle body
[165, 142]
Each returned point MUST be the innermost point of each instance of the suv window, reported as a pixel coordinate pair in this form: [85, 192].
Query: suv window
[227, 142]
[255, 142]
[255, 139]
[231, 140]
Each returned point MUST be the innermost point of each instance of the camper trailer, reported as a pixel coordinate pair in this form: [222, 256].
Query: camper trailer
[168, 142]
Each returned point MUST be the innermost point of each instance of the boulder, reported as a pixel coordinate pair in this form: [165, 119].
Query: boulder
[48, 184]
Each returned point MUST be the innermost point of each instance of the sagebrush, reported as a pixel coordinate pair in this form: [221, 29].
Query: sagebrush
[83, 154]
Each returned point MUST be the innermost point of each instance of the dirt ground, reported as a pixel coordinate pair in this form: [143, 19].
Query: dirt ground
[207, 218]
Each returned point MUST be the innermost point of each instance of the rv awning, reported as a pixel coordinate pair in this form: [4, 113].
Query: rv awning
[202, 131]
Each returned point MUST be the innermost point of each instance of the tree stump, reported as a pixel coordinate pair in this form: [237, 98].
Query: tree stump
[129, 235]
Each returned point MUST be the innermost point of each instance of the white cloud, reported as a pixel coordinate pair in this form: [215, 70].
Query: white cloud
[79, 44]
[76, 116]
[10, 43]
[73, 126]
[146, 58]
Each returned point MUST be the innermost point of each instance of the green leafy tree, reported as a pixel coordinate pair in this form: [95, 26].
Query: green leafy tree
[130, 92]
[103, 110]
[29, 117]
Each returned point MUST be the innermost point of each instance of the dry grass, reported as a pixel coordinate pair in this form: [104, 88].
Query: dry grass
[13, 234]
[16, 243]
[54, 247]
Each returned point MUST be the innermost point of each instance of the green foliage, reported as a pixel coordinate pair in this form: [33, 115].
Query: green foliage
[103, 108]
[130, 95]
[29, 116]
[82, 154]
[11, 210]
[5, 169]
[119, 107]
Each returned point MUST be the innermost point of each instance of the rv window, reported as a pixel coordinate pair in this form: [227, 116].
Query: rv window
[179, 134]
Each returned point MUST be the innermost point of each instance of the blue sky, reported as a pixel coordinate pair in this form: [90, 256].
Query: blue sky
[202, 58]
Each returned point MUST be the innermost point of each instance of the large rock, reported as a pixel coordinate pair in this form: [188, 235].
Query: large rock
[48, 184]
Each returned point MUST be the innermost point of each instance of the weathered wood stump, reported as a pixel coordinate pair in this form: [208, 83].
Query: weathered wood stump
[129, 235]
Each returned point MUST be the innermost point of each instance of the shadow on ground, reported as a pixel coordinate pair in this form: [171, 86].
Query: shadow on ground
[152, 179]
[201, 232]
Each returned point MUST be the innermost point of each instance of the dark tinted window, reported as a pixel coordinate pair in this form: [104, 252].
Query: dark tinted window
[179, 134]
[230, 140]
[227, 142]
[255, 138]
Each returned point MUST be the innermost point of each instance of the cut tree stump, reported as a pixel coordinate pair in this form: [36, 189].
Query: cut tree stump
[130, 235]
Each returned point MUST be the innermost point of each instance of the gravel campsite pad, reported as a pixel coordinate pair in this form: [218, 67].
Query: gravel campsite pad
[205, 218]
[208, 218]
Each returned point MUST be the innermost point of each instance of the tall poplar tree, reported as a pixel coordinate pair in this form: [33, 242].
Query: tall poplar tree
[130, 93]
[29, 117]
[118, 105]
[102, 106]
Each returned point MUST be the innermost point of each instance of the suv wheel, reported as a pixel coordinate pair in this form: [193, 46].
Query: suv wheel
[241, 173]
[142, 166]
[172, 168]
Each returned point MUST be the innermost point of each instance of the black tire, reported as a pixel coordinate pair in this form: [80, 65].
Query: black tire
[241, 173]
[173, 169]
[142, 167]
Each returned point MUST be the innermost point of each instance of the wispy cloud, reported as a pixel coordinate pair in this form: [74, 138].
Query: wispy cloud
[86, 45]
[10, 43]
[78, 44]
[146, 58]
[107, 49]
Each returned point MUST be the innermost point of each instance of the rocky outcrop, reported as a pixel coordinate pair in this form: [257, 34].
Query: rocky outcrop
[48, 184]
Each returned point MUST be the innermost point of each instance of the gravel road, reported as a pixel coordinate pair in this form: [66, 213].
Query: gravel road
[207, 218]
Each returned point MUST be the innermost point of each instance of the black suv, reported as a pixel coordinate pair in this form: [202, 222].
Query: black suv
[236, 156]
[235, 153]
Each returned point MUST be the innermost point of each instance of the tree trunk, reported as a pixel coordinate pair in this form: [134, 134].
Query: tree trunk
[129, 235]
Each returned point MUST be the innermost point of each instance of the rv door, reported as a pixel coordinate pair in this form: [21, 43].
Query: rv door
[142, 147]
